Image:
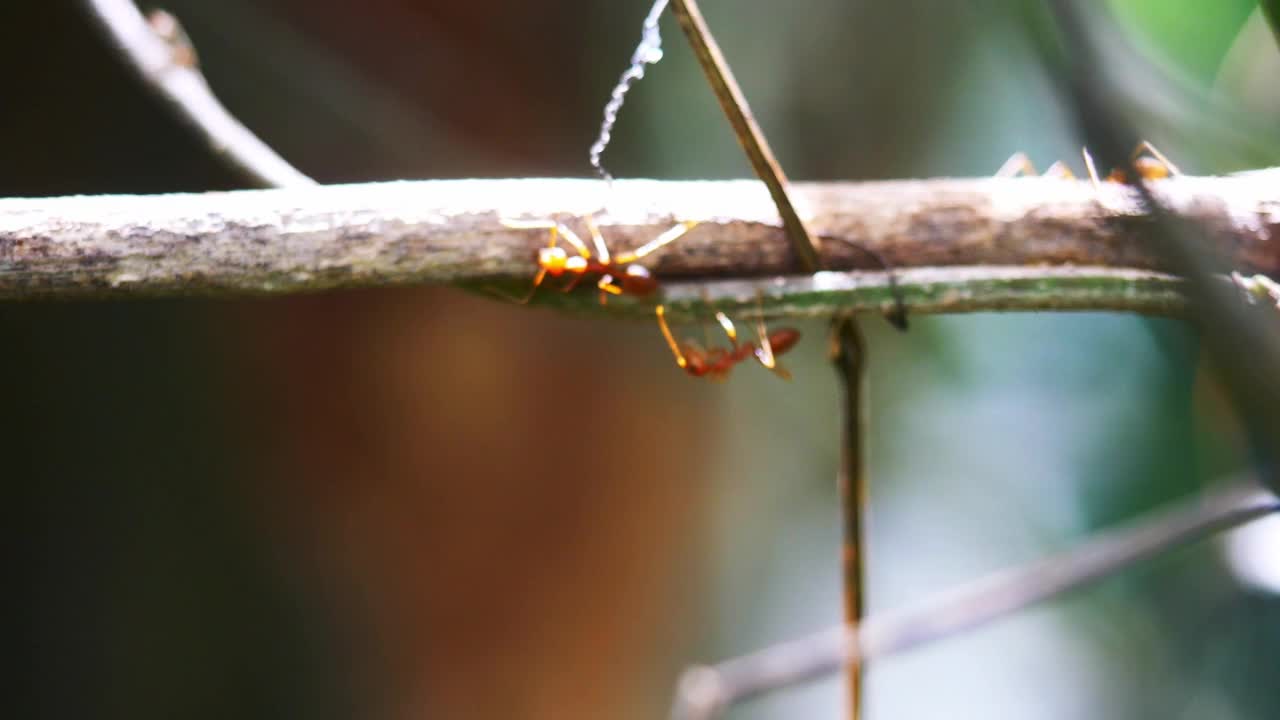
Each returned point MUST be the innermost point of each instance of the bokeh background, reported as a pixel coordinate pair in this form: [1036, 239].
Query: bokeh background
[414, 503]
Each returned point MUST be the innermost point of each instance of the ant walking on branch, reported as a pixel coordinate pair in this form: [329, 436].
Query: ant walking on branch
[618, 276]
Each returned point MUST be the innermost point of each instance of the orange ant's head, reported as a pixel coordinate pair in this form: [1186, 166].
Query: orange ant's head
[695, 365]
[694, 360]
[699, 362]
[556, 261]
[713, 364]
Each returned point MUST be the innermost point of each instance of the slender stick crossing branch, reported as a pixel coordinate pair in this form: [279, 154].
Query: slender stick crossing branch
[451, 232]
[745, 128]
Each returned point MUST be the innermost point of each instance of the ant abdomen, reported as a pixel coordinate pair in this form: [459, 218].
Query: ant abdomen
[783, 339]
[638, 282]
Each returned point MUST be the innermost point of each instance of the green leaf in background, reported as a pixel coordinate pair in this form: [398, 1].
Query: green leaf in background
[1271, 11]
[1190, 37]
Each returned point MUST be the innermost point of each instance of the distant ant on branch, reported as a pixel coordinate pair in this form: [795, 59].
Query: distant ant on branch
[1150, 163]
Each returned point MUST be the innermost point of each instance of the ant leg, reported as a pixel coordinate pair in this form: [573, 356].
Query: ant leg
[608, 287]
[729, 330]
[537, 280]
[556, 229]
[1160, 169]
[572, 238]
[1093, 170]
[1017, 165]
[1060, 170]
[657, 243]
[573, 283]
[723, 320]
[764, 351]
[671, 341]
[602, 250]
[896, 317]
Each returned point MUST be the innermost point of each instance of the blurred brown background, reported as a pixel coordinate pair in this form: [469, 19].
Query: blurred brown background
[416, 503]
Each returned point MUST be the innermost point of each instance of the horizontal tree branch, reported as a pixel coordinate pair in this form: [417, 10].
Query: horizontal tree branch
[1063, 245]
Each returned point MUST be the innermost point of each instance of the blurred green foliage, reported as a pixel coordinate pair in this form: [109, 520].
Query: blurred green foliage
[1192, 38]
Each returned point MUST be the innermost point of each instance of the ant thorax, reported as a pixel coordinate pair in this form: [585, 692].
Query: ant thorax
[1151, 168]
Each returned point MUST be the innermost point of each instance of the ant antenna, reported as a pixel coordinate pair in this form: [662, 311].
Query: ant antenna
[1092, 170]
[898, 316]
[648, 52]
[764, 352]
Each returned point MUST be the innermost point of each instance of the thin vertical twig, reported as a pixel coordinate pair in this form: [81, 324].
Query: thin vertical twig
[849, 357]
[850, 348]
[748, 132]
[850, 352]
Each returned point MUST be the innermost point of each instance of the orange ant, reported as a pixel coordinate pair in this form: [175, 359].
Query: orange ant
[716, 362]
[1150, 163]
[618, 275]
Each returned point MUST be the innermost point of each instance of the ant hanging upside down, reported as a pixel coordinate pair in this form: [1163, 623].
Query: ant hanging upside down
[716, 362]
